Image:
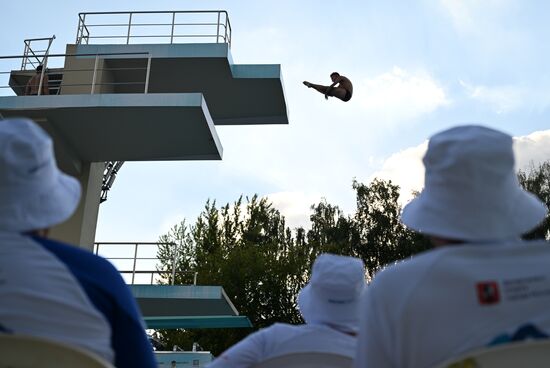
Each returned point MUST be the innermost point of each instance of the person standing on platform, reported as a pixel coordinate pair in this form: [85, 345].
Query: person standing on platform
[33, 85]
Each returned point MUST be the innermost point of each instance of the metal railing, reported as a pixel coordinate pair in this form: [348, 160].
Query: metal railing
[140, 262]
[90, 73]
[30, 56]
[166, 26]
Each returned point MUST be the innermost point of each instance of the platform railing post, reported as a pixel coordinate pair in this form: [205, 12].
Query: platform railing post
[227, 39]
[135, 260]
[44, 66]
[25, 56]
[95, 74]
[78, 30]
[129, 26]
[218, 29]
[173, 24]
[148, 73]
[174, 260]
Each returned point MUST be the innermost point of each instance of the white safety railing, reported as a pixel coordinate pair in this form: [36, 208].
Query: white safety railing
[87, 77]
[35, 51]
[137, 262]
[155, 26]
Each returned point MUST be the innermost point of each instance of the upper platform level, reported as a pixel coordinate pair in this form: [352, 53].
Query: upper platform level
[155, 77]
[166, 52]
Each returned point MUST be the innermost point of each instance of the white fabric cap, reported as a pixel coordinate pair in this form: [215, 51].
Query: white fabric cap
[334, 291]
[34, 193]
[471, 190]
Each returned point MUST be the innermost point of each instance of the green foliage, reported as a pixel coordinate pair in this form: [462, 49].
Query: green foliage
[247, 248]
[537, 181]
[383, 239]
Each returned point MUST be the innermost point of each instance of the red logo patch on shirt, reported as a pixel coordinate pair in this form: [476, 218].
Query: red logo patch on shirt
[487, 292]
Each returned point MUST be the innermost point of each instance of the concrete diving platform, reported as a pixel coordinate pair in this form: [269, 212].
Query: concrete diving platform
[125, 127]
[237, 94]
[174, 306]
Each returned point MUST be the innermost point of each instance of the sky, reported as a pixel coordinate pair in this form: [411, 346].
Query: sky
[418, 67]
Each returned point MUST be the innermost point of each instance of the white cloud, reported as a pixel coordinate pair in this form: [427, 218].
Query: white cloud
[533, 148]
[460, 12]
[294, 206]
[405, 167]
[399, 95]
[502, 99]
[473, 16]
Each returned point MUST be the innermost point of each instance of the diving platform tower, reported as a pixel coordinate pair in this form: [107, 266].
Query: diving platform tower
[141, 86]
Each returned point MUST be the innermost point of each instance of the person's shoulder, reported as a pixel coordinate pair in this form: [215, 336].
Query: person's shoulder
[83, 259]
[280, 330]
[277, 327]
[406, 272]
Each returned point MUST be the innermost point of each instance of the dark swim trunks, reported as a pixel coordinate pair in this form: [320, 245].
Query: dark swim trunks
[347, 97]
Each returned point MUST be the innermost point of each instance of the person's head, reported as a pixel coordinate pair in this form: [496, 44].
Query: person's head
[471, 191]
[39, 68]
[333, 293]
[34, 194]
[334, 76]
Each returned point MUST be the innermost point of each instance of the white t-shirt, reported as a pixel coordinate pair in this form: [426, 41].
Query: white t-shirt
[453, 299]
[40, 297]
[280, 339]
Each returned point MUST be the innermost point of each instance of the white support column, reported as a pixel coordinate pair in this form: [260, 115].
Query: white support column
[80, 228]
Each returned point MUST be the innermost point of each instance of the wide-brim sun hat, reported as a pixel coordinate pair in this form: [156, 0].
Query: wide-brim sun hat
[471, 190]
[34, 193]
[332, 296]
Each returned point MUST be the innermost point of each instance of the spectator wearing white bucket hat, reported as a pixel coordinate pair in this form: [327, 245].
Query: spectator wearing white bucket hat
[47, 288]
[329, 304]
[481, 285]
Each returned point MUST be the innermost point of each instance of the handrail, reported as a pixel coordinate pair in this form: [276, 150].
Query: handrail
[135, 271]
[28, 50]
[96, 68]
[222, 24]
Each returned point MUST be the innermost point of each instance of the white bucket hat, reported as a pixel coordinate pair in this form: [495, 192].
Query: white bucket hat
[333, 293]
[34, 193]
[471, 191]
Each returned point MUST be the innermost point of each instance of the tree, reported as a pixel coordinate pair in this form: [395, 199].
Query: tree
[537, 181]
[252, 254]
[383, 239]
[262, 265]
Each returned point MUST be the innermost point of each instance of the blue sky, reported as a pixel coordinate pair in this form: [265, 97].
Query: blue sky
[418, 67]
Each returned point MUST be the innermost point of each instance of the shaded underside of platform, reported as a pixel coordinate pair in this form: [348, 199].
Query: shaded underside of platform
[167, 306]
[236, 94]
[125, 127]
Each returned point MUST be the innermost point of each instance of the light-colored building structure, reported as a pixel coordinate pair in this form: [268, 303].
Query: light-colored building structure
[144, 86]
[129, 91]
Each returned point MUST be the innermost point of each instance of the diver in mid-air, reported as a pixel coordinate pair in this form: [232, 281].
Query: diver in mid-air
[343, 91]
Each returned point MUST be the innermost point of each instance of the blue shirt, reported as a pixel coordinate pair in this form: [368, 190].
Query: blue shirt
[111, 296]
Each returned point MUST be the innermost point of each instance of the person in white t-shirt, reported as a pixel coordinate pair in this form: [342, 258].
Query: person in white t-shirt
[38, 294]
[481, 285]
[329, 304]
[50, 289]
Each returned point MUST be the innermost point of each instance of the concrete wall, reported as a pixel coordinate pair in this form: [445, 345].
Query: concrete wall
[79, 73]
[77, 79]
